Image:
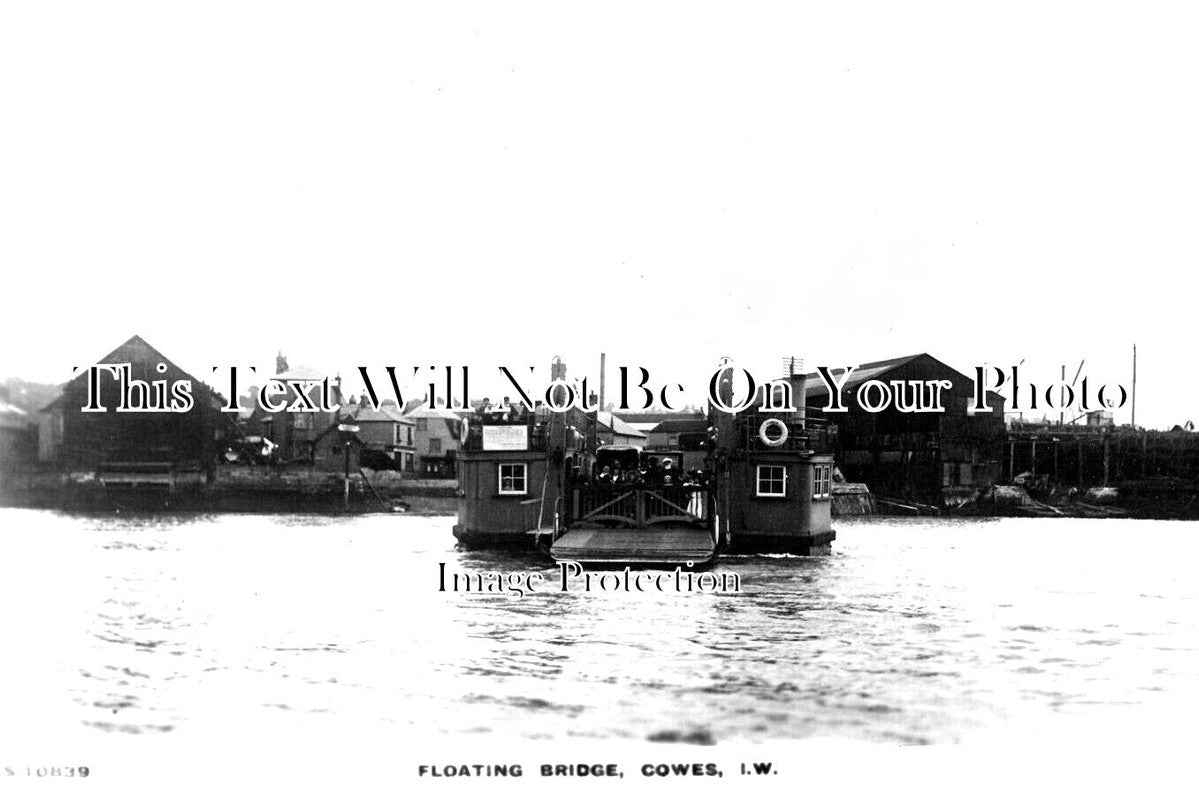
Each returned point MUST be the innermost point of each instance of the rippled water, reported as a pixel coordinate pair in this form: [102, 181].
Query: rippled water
[911, 631]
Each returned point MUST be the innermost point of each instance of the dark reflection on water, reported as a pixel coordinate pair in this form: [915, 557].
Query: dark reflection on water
[912, 631]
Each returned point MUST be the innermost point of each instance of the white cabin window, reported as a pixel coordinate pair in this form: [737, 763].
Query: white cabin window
[822, 482]
[772, 480]
[514, 478]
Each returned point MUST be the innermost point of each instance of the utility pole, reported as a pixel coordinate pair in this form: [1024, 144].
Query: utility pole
[347, 430]
[1061, 414]
[1134, 384]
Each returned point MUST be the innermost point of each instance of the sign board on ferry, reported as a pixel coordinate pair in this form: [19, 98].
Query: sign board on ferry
[505, 437]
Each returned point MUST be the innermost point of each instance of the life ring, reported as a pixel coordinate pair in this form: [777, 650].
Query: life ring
[766, 440]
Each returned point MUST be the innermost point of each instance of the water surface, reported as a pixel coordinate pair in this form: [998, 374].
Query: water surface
[912, 631]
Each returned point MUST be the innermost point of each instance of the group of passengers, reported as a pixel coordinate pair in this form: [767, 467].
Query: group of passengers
[653, 473]
[500, 413]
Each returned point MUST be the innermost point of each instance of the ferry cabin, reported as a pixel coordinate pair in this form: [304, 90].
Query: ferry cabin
[531, 483]
[512, 471]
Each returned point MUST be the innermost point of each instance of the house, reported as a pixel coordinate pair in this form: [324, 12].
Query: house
[296, 433]
[439, 435]
[71, 438]
[683, 434]
[611, 429]
[679, 433]
[922, 456]
[388, 431]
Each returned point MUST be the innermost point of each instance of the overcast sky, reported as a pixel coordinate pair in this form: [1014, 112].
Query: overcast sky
[499, 183]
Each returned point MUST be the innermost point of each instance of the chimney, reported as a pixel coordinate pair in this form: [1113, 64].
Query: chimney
[603, 377]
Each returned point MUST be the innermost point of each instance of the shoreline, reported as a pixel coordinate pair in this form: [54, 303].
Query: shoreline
[305, 490]
[234, 490]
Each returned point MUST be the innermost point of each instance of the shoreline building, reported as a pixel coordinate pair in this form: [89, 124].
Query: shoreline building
[298, 434]
[388, 432]
[439, 434]
[74, 439]
[613, 430]
[931, 457]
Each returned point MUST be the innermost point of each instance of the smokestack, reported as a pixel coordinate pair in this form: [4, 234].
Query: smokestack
[603, 377]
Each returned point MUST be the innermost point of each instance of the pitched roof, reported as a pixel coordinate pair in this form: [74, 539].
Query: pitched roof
[870, 370]
[686, 425]
[638, 417]
[422, 410]
[385, 413]
[135, 348]
[618, 425]
[13, 417]
[301, 373]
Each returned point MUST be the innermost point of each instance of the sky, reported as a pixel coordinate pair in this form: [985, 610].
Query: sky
[486, 184]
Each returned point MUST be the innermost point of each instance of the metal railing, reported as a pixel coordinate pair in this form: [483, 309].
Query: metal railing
[803, 434]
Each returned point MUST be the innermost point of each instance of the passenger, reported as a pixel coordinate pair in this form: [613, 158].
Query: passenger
[508, 410]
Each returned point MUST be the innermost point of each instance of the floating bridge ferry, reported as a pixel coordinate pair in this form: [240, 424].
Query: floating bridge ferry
[538, 480]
